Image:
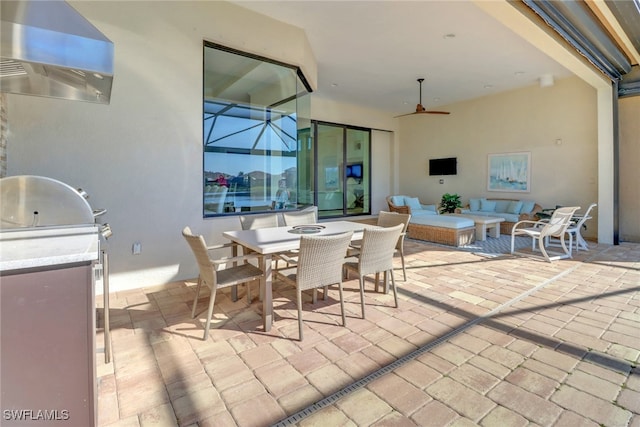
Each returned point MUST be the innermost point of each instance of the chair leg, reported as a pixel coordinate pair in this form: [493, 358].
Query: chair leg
[543, 250]
[299, 297]
[361, 280]
[212, 299]
[404, 270]
[377, 279]
[195, 300]
[344, 318]
[248, 285]
[325, 295]
[393, 285]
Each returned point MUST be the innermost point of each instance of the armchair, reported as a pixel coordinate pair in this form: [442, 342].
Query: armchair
[540, 231]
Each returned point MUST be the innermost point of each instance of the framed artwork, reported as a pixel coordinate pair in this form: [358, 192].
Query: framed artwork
[509, 172]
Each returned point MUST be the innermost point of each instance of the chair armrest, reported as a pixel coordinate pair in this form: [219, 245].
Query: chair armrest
[227, 260]
[222, 246]
[533, 223]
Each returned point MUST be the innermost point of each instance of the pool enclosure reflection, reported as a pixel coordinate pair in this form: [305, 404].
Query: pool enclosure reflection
[255, 133]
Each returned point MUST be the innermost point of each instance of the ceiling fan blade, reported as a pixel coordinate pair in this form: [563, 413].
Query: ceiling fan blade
[419, 108]
[422, 112]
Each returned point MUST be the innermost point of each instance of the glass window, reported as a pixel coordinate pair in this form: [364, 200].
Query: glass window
[255, 132]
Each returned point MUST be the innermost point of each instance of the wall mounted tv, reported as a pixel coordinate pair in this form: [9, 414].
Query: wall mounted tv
[354, 170]
[448, 166]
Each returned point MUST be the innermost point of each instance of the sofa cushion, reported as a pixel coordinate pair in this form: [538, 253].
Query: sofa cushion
[432, 208]
[444, 221]
[527, 206]
[506, 216]
[514, 207]
[474, 204]
[487, 205]
[413, 203]
[422, 212]
[502, 205]
[397, 200]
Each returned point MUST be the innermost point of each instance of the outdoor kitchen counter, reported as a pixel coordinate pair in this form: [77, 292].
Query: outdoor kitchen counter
[28, 248]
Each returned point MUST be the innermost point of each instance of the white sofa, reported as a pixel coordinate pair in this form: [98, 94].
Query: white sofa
[512, 210]
[410, 205]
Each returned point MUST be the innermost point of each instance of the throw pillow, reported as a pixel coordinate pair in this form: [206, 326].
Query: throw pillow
[527, 206]
[514, 207]
[487, 205]
[432, 208]
[502, 205]
[397, 200]
[474, 204]
[413, 203]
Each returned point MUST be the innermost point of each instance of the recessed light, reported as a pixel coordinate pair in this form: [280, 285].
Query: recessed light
[97, 76]
[334, 84]
[436, 99]
[518, 73]
[488, 86]
[449, 36]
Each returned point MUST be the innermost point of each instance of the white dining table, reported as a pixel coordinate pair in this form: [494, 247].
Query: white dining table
[275, 240]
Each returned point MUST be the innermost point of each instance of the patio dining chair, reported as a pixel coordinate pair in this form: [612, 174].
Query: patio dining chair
[305, 216]
[389, 219]
[215, 276]
[375, 257]
[540, 231]
[319, 264]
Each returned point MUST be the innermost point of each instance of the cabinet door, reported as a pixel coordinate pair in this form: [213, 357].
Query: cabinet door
[47, 348]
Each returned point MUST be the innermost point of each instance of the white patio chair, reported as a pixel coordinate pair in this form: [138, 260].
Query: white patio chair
[574, 229]
[375, 257]
[214, 276]
[319, 264]
[540, 231]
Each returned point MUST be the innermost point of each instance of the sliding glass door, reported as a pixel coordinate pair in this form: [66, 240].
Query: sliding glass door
[343, 170]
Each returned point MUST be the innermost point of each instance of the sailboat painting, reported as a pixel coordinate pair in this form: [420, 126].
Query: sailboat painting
[509, 172]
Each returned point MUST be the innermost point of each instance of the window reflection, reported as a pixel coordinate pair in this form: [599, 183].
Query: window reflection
[251, 126]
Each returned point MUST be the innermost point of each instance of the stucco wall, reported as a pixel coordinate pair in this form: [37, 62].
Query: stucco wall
[532, 119]
[629, 112]
[140, 157]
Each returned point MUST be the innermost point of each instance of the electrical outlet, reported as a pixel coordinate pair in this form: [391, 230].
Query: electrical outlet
[137, 248]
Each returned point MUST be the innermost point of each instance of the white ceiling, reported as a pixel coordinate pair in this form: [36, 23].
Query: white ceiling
[371, 52]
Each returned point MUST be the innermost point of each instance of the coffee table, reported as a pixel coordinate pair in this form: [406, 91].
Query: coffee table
[484, 224]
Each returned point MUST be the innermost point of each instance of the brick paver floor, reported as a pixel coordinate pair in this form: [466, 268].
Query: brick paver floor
[502, 341]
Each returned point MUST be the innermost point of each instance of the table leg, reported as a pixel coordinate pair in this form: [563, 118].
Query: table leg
[481, 232]
[267, 294]
[494, 231]
[234, 289]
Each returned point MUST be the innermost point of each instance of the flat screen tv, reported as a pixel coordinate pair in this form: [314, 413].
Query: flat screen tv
[448, 166]
[354, 170]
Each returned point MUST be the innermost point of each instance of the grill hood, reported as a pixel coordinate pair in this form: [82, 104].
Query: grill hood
[48, 49]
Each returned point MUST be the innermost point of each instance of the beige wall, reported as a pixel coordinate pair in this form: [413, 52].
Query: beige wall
[629, 111]
[557, 125]
[140, 157]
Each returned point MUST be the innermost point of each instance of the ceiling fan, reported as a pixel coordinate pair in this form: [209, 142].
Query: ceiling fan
[420, 109]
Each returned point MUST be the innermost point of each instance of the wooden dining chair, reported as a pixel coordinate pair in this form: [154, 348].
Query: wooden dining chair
[319, 264]
[213, 275]
[375, 257]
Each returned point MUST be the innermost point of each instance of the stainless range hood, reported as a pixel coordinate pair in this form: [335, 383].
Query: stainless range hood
[48, 49]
